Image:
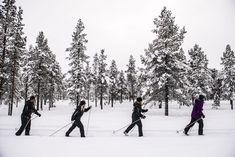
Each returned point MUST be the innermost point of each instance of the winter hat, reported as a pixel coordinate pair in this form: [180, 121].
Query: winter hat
[32, 97]
[139, 99]
[82, 103]
[201, 97]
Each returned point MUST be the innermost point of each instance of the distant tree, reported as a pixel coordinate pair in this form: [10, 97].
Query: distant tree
[89, 80]
[163, 61]
[131, 78]
[102, 84]
[15, 61]
[8, 18]
[228, 62]
[95, 67]
[78, 60]
[122, 86]
[199, 74]
[217, 88]
[113, 79]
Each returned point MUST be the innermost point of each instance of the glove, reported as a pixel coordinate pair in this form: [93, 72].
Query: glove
[39, 115]
[203, 116]
[89, 107]
[143, 117]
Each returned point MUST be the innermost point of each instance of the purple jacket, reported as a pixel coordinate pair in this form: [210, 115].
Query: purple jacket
[197, 109]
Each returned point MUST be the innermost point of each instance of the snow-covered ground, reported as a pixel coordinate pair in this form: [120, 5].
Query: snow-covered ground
[160, 137]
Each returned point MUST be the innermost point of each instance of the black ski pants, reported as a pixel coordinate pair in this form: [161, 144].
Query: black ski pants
[191, 124]
[79, 125]
[25, 125]
[135, 121]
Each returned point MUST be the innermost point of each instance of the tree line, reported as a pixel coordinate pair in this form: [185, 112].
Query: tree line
[165, 74]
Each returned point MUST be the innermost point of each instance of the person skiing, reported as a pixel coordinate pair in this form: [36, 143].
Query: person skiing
[76, 116]
[136, 115]
[196, 116]
[26, 116]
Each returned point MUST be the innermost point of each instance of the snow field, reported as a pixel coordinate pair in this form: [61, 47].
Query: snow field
[160, 137]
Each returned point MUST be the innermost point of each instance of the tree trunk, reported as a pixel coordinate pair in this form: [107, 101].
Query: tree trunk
[88, 98]
[231, 103]
[166, 99]
[41, 103]
[38, 97]
[111, 99]
[101, 98]
[26, 91]
[13, 84]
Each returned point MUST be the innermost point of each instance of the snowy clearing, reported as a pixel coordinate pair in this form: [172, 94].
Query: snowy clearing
[160, 137]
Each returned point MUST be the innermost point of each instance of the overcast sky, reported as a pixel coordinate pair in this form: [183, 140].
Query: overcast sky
[123, 27]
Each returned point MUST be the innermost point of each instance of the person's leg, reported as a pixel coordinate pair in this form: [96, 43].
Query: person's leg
[70, 129]
[191, 124]
[139, 124]
[24, 121]
[27, 129]
[134, 121]
[81, 127]
[201, 125]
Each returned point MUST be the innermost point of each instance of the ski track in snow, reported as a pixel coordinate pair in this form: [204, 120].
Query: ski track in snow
[160, 136]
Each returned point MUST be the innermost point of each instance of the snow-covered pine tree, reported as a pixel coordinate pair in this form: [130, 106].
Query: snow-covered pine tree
[88, 75]
[163, 65]
[8, 18]
[199, 74]
[16, 52]
[122, 86]
[131, 79]
[228, 71]
[78, 59]
[113, 76]
[141, 82]
[216, 88]
[95, 67]
[102, 84]
[43, 60]
[54, 83]
[28, 65]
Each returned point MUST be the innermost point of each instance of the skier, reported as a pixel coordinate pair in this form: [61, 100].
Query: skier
[196, 116]
[77, 118]
[26, 116]
[136, 115]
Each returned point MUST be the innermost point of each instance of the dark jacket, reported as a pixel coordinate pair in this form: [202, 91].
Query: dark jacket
[77, 114]
[29, 109]
[137, 111]
[197, 109]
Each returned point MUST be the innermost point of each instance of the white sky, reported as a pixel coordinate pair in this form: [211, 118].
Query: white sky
[123, 27]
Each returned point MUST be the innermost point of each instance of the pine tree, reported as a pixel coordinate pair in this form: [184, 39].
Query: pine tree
[8, 18]
[199, 74]
[217, 88]
[228, 62]
[101, 80]
[78, 59]
[95, 76]
[131, 78]
[88, 75]
[113, 74]
[163, 65]
[122, 86]
[43, 59]
[17, 50]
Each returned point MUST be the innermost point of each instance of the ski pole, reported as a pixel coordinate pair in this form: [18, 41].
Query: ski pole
[189, 125]
[124, 126]
[88, 122]
[60, 129]
[31, 119]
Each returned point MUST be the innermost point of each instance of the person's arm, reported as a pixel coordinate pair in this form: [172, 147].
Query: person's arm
[87, 109]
